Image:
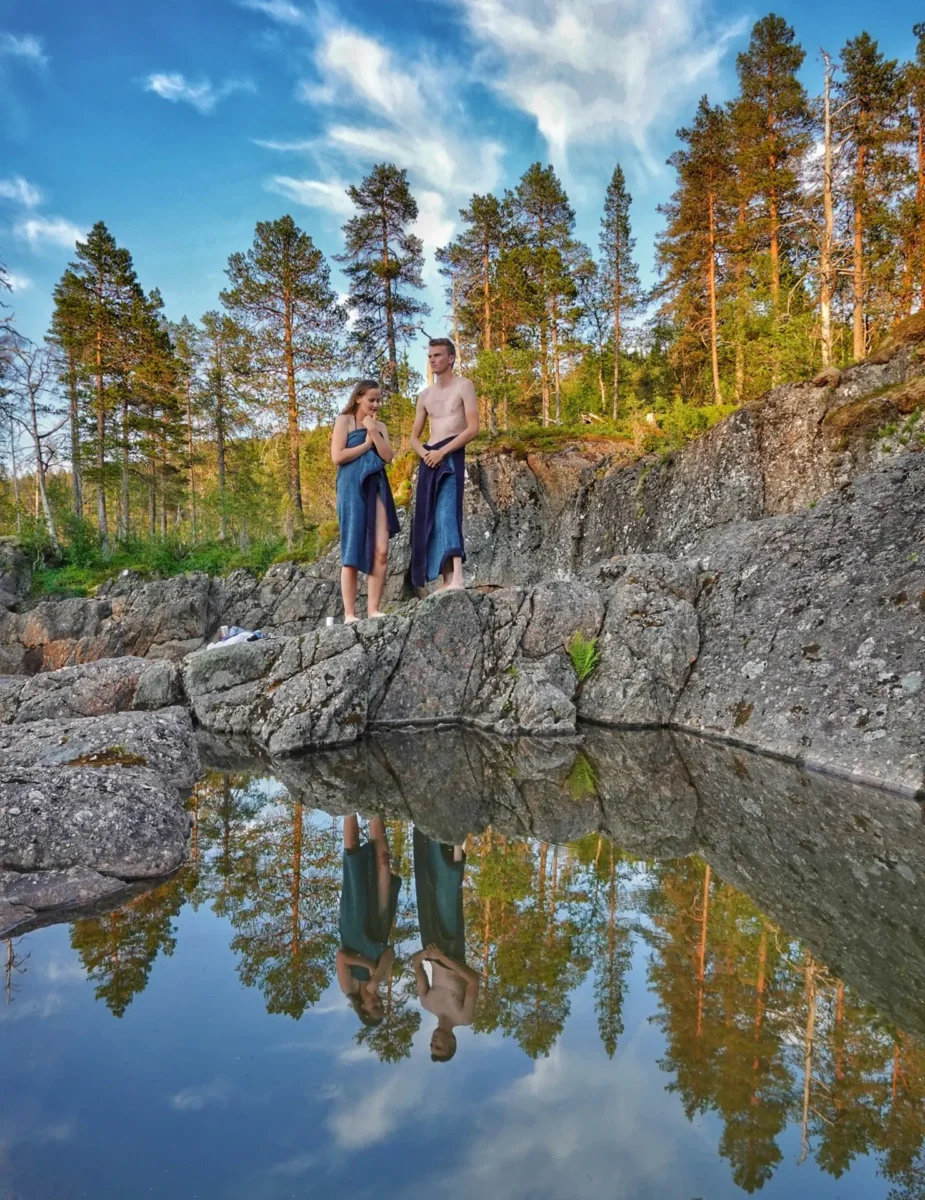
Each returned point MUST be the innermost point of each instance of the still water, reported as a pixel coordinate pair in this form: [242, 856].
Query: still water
[672, 970]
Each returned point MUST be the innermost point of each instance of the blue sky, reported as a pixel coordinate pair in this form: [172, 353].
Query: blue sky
[182, 124]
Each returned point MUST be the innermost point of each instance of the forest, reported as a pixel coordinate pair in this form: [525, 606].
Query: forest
[793, 240]
[756, 1030]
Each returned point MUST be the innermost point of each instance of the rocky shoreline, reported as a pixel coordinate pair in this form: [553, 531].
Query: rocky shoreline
[765, 585]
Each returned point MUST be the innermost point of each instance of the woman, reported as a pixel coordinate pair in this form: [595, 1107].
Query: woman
[365, 508]
[368, 903]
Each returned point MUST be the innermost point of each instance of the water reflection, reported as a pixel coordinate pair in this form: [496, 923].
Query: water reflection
[776, 917]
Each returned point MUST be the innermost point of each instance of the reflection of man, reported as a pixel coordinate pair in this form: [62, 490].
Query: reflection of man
[453, 989]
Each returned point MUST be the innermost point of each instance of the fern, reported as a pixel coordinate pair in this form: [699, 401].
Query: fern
[583, 653]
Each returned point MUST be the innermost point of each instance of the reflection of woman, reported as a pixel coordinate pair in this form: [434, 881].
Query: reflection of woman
[367, 911]
[452, 991]
[365, 508]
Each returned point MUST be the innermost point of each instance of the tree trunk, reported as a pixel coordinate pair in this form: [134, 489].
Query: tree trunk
[220, 462]
[40, 473]
[617, 304]
[125, 515]
[711, 286]
[557, 377]
[486, 289]
[808, 1040]
[920, 205]
[15, 472]
[702, 951]
[456, 342]
[392, 381]
[859, 339]
[826, 257]
[189, 442]
[101, 517]
[74, 416]
[292, 417]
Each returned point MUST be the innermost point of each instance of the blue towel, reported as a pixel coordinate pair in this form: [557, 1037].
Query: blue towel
[363, 928]
[438, 883]
[359, 484]
[437, 528]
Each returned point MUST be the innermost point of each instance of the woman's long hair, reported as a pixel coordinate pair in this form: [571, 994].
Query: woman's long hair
[362, 387]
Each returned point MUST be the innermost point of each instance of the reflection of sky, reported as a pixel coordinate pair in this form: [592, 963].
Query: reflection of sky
[197, 1092]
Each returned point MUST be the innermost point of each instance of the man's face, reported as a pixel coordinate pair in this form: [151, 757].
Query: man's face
[439, 359]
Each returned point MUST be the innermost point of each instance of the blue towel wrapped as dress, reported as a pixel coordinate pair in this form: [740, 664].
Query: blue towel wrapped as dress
[359, 484]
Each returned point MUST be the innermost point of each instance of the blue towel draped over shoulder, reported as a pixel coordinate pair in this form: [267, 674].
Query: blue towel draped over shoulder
[359, 484]
[437, 528]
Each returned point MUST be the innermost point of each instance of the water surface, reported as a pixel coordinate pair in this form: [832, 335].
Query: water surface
[700, 973]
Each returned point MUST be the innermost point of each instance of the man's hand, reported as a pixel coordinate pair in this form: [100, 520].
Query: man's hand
[418, 957]
[433, 458]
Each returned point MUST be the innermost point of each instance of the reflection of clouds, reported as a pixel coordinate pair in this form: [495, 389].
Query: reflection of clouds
[22, 1132]
[194, 1099]
[41, 1007]
[60, 971]
[575, 1121]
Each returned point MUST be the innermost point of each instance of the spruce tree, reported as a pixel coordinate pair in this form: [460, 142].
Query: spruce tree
[281, 289]
[869, 95]
[775, 133]
[619, 271]
[383, 260]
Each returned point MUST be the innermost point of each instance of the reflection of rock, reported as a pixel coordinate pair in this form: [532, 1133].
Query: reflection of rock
[837, 865]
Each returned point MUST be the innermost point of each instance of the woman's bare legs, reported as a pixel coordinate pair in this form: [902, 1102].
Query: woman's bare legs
[348, 590]
[351, 832]
[376, 580]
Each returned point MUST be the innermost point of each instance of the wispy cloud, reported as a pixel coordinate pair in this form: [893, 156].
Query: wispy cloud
[315, 193]
[21, 192]
[40, 232]
[279, 10]
[18, 283]
[26, 47]
[590, 73]
[202, 95]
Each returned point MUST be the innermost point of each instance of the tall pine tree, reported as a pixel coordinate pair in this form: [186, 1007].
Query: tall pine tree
[619, 271]
[281, 289]
[383, 260]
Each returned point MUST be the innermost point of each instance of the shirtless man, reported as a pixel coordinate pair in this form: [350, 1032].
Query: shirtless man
[452, 992]
[450, 405]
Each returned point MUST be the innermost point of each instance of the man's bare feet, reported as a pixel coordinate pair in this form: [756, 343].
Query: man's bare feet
[455, 586]
[374, 615]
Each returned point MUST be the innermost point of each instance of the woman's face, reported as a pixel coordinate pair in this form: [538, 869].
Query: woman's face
[368, 403]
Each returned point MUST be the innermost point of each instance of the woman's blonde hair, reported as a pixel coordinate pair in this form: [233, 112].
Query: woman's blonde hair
[362, 387]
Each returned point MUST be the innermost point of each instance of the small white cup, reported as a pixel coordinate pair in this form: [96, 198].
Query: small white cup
[329, 621]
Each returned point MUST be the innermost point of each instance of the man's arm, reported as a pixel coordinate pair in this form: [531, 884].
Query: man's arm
[420, 419]
[471, 405]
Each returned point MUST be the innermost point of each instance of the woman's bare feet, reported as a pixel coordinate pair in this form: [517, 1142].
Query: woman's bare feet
[351, 620]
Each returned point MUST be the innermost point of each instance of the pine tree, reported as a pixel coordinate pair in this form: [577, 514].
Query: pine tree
[914, 214]
[619, 271]
[69, 334]
[774, 115]
[225, 353]
[869, 97]
[106, 275]
[383, 260]
[186, 341]
[699, 217]
[281, 289]
[474, 255]
[543, 221]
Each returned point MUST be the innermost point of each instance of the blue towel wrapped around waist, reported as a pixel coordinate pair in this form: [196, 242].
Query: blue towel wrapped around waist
[437, 528]
[359, 484]
[364, 928]
[438, 883]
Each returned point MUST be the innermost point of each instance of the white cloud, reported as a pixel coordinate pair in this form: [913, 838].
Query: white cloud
[203, 96]
[27, 47]
[194, 1099]
[18, 283]
[589, 72]
[315, 193]
[292, 147]
[278, 10]
[21, 191]
[39, 232]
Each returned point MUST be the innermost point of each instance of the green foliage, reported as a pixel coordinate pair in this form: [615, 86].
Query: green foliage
[582, 778]
[584, 654]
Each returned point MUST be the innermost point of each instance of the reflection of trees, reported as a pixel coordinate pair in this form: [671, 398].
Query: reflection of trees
[759, 1032]
[118, 948]
[14, 964]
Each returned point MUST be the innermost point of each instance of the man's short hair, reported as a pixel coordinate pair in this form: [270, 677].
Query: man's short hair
[444, 342]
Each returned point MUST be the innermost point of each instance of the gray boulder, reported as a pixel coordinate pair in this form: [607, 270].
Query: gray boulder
[163, 741]
[89, 690]
[15, 575]
[121, 821]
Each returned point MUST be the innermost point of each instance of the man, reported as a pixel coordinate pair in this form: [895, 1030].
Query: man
[451, 993]
[450, 405]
